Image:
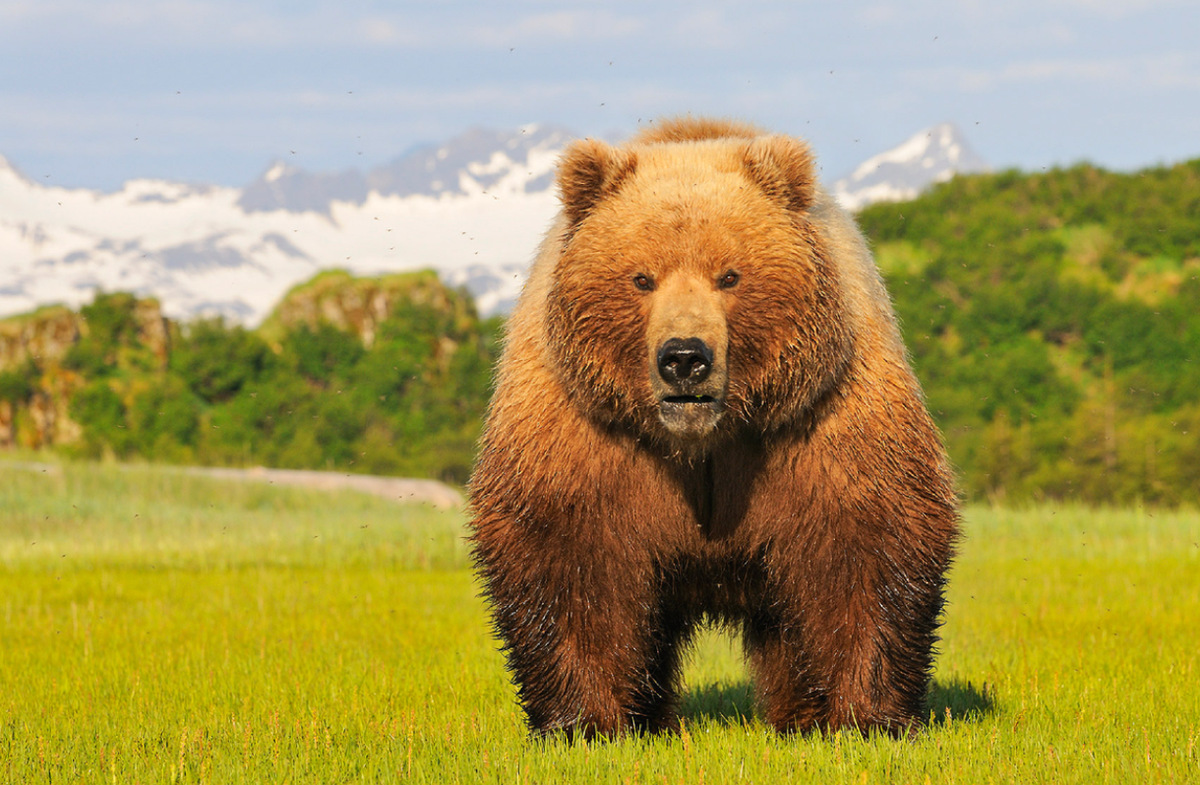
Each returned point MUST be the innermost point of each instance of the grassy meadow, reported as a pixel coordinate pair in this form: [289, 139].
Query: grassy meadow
[162, 627]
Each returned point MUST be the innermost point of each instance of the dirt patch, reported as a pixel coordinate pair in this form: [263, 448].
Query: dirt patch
[399, 489]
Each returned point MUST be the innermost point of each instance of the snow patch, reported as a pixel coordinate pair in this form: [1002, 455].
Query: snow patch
[930, 156]
[275, 172]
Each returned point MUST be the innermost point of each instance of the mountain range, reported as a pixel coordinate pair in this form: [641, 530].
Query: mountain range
[473, 208]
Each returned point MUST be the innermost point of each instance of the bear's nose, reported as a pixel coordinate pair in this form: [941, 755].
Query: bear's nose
[684, 361]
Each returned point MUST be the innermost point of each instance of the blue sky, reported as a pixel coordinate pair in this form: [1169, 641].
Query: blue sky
[93, 92]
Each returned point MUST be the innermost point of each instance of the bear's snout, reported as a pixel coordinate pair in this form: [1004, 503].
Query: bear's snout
[687, 339]
[690, 387]
[684, 362]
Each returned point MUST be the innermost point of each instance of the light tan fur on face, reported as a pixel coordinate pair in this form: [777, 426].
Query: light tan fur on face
[686, 305]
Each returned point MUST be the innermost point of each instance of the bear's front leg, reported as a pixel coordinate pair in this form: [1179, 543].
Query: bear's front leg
[849, 640]
[587, 648]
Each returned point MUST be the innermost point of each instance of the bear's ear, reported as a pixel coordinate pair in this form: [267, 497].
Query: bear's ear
[783, 167]
[588, 172]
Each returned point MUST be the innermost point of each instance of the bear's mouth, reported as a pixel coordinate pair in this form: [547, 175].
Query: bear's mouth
[690, 416]
[690, 399]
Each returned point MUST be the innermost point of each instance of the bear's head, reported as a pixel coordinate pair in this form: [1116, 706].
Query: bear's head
[694, 295]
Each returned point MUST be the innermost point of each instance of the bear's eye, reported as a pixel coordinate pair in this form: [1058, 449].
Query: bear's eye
[643, 282]
[729, 280]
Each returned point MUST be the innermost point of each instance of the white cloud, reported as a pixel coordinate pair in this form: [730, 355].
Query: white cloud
[1067, 70]
[1167, 70]
[378, 30]
[1121, 8]
[709, 28]
[877, 14]
[555, 27]
[203, 24]
[214, 23]
[114, 14]
[1173, 70]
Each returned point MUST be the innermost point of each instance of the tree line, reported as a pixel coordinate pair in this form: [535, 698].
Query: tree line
[306, 395]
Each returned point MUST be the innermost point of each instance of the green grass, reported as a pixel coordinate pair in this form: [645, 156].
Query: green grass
[159, 627]
[84, 517]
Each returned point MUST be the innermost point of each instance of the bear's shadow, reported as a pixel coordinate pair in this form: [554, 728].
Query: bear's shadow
[733, 704]
[723, 703]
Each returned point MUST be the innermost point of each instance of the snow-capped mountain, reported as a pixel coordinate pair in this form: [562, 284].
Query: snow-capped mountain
[475, 161]
[473, 208]
[930, 156]
[476, 214]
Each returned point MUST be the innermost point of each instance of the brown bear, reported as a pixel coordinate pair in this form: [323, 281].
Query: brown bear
[704, 411]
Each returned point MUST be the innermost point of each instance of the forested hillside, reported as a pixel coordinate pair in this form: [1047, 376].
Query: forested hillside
[386, 375]
[1054, 320]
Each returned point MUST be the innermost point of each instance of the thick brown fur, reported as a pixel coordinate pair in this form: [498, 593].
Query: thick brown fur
[799, 490]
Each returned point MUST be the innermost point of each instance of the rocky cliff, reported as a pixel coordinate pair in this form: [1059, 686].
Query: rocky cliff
[38, 376]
